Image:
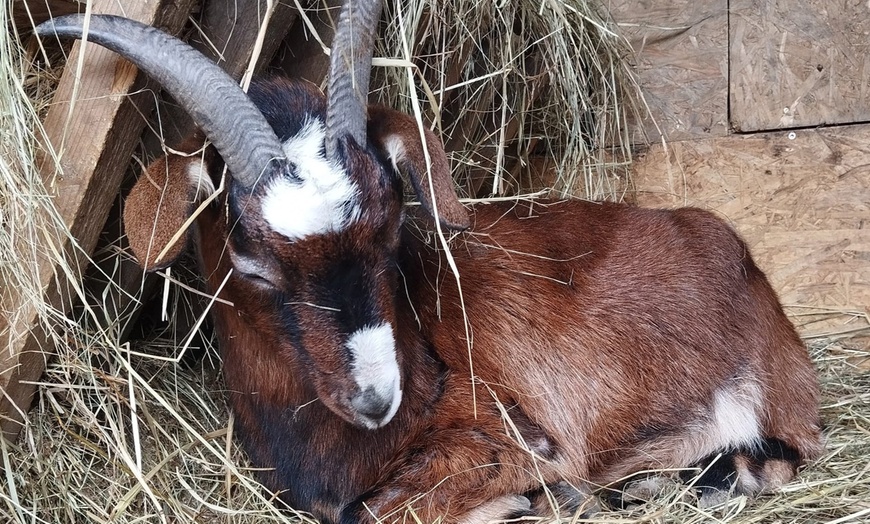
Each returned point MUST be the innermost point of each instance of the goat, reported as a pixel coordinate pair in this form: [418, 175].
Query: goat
[607, 339]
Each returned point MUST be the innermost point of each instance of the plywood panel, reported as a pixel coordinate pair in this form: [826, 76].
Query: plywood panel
[681, 57]
[801, 200]
[799, 63]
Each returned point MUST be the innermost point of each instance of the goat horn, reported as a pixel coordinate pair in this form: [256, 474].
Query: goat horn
[349, 70]
[215, 101]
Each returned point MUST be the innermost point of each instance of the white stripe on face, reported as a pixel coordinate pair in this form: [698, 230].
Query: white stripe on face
[325, 200]
[376, 373]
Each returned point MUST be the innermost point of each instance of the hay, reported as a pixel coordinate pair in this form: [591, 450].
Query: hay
[136, 433]
[512, 84]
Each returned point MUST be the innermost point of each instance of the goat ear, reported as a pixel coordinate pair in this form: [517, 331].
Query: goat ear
[158, 205]
[398, 136]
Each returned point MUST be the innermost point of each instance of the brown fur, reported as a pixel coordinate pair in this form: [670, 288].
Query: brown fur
[603, 332]
[157, 207]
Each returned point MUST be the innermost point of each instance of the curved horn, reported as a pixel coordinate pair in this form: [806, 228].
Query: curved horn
[215, 101]
[349, 70]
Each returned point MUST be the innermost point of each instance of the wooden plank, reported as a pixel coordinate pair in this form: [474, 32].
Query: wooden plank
[94, 141]
[801, 199]
[27, 13]
[681, 60]
[301, 56]
[799, 63]
[228, 31]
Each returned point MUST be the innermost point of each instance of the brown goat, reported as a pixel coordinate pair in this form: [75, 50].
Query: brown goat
[607, 339]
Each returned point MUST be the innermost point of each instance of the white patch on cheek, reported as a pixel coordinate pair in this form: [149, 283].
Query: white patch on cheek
[323, 200]
[375, 367]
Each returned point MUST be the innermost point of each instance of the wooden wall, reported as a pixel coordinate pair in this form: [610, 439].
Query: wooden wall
[800, 196]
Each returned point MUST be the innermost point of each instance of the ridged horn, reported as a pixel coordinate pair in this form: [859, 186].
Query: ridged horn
[212, 98]
[350, 67]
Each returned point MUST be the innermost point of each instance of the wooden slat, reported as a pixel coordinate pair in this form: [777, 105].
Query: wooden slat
[681, 58]
[26, 13]
[95, 141]
[228, 31]
[798, 63]
[801, 200]
[301, 56]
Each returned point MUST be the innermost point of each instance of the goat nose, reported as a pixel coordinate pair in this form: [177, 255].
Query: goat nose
[372, 405]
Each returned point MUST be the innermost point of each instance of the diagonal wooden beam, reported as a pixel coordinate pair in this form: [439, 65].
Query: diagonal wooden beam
[95, 140]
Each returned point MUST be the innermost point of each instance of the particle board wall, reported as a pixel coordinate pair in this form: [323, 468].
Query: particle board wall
[681, 60]
[778, 63]
[801, 199]
[797, 63]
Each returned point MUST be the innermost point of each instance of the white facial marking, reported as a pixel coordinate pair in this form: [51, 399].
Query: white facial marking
[199, 179]
[325, 200]
[375, 367]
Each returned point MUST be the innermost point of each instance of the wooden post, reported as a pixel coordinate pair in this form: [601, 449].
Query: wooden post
[94, 142]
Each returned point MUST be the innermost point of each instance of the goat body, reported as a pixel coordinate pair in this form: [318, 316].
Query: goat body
[607, 339]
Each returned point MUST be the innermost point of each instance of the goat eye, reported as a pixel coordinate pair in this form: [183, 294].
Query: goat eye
[254, 272]
[257, 279]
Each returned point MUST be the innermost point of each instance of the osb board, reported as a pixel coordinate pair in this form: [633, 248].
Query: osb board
[681, 61]
[799, 63]
[801, 200]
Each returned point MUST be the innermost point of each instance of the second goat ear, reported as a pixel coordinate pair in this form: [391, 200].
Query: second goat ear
[158, 206]
[398, 135]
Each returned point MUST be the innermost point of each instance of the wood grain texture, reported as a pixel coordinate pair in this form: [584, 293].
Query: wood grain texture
[798, 63]
[302, 56]
[94, 135]
[226, 34]
[801, 200]
[681, 60]
[27, 13]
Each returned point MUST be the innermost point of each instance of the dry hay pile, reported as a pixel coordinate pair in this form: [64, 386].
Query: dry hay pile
[138, 432]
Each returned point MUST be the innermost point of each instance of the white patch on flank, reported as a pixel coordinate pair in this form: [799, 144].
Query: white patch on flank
[496, 510]
[375, 367]
[735, 418]
[732, 423]
[395, 147]
[199, 179]
[323, 200]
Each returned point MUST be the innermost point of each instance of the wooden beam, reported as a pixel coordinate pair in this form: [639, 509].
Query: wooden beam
[94, 141]
[301, 56]
[228, 32]
[27, 13]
